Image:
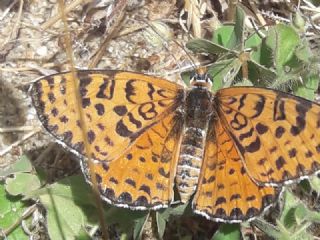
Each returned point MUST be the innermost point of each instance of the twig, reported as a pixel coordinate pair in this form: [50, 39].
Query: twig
[25, 215]
[6, 45]
[17, 143]
[16, 129]
[57, 17]
[114, 19]
[8, 10]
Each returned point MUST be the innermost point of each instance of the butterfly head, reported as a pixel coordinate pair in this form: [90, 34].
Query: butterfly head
[201, 78]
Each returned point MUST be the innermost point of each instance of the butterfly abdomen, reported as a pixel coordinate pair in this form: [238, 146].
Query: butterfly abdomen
[190, 161]
[198, 111]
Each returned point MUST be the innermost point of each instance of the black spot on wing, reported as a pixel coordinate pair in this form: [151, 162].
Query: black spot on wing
[236, 214]
[253, 146]
[86, 102]
[301, 110]
[151, 91]
[130, 91]
[51, 97]
[145, 189]
[220, 200]
[280, 131]
[261, 128]
[113, 180]
[64, 119]
[125, 197]
[84, 82]
[246, 134]
[235, 197]
[106, 89]
[123, 130]
[54, 112]
[100, 109]
[130, 182]
[91, 136]
[121, 110]
[259, 106]
[134, 121]
[241, 101]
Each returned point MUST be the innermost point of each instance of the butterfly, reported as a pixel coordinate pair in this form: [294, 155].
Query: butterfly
[230, 152]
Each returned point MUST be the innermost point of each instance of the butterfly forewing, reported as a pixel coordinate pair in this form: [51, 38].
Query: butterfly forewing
[118, 107]
[277, 134]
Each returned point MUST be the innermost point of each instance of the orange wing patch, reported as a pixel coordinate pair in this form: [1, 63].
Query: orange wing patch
[118, 108]
[225, 191]
[143, 177]
[277, 134]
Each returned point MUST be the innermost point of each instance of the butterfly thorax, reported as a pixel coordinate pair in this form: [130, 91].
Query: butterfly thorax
[198, 110]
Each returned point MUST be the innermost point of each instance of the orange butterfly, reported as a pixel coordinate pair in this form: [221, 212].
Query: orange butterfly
[231, 150]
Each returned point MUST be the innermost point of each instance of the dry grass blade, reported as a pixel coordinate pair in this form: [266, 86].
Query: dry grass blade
[8, 44]
[17, 143]
[82, 122]
[114, 20]
[57, 17]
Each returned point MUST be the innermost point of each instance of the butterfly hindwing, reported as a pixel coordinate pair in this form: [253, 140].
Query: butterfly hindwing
[143, 177]
[225, 191]
[277, 134]
[118, 107]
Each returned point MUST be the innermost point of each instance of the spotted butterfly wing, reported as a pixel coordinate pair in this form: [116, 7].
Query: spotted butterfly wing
[117, 106]
[133, 131]
[276, 134]
[147, 134]
[225, 191]
[143, 177]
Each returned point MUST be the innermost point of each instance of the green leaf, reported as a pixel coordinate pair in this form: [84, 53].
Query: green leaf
[268, 228]
[161, 224]
[139, 224]
[22, 165]
[283, 41]
[73, 188]
[303, 52]
[260, 75]
[244, 83]
[222, 36]
[236, 40]
[300, 213]
[204, 46]
[64, 219]
[177, 210]
[298, 22]
[315, 183]
[69, 204]
[227, 232]
[287, 217]
[22, 183]
[11, 210]
[126, 219]
[308, 89]
[254, 44]
[223, 72]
